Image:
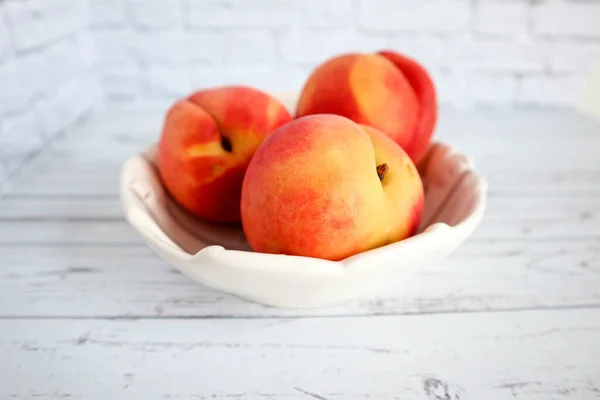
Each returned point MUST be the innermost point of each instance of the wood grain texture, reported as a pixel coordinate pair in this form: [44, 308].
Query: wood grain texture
[87, 311]
[533, 153]
[100, 220]
[537, 247]
[560, 208]
[523, 184]
[125, 281]
[532, 355]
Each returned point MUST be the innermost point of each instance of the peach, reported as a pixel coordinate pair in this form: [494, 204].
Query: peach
[387, 90]
[206, 143]
[323, 186]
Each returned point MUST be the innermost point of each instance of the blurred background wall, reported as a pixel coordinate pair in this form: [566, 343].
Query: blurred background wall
[46, 76]
[60, 57]
[482, 52]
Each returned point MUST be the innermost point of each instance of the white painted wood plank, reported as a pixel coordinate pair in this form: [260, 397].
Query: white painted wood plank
[535, 159]
[524, 136]
[533, 153]
[488, 156]
[15, 209]
[108, 162]
[501, 129]
[533, 217]
[67, 232]
[537, 248]
[132, 281]
[559, 208]
[58, 178]
[517, 226]
[506, 217]
[534, 355]
[522, 161]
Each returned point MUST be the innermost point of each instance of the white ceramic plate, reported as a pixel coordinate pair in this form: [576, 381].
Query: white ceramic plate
[219, 256]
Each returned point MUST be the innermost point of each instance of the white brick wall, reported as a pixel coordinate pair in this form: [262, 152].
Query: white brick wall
[406, 16]
[35, 23]
[46, 79]
[241, 13]
[155, 14]
[506, 18]
[577, 18]
[55, 54]
[551, 90]
[481, 52]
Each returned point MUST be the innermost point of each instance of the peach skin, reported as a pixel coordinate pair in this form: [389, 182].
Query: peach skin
[323, 186]
[206, 143]
[385, 90]
[424, 88]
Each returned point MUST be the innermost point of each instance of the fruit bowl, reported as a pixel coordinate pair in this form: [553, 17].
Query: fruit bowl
[218, 255]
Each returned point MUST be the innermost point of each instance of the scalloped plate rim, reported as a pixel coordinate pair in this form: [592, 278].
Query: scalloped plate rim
[436, 232]
[303, 278]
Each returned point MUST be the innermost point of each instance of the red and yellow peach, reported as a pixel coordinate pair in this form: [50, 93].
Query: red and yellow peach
[207, 142]
[323, 186]
[386, 90]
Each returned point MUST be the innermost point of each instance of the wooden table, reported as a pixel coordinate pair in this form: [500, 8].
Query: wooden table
[87, 311]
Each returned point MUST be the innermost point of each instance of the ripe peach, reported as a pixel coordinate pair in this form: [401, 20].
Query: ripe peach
[424, 88]
[206, 143]
[323, 186]
[387, 90]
